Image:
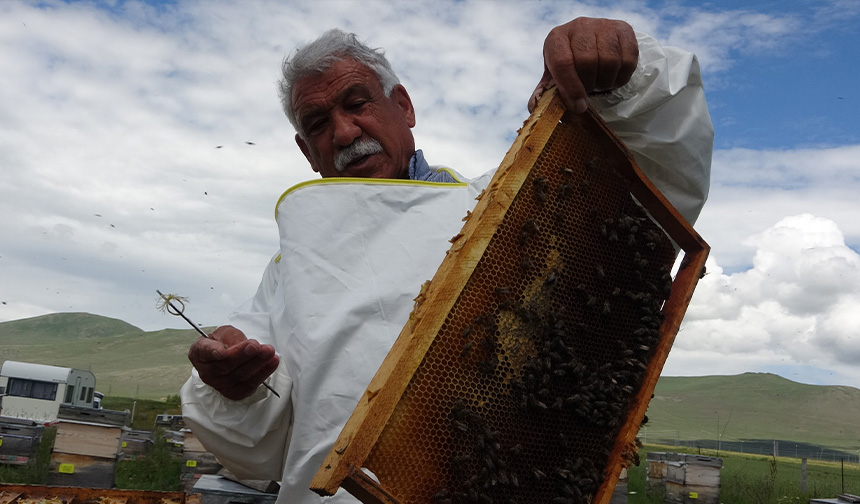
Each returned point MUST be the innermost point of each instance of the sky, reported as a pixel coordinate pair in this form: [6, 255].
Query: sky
[142, 147]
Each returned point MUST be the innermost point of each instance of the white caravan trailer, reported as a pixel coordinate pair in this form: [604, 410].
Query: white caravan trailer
[36, 391]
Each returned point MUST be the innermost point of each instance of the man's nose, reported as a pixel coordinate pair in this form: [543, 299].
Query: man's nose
[346, 130]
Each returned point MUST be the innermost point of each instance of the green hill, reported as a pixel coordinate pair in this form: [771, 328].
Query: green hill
[755, 406]
[129, 362]
[126, 361]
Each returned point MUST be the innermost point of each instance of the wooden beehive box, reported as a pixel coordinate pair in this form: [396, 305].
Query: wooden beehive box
[526, 366]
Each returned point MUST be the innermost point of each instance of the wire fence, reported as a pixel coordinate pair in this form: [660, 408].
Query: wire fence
[768, 447]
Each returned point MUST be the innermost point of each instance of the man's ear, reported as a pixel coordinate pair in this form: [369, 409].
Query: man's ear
[306, 151]
[402, 99]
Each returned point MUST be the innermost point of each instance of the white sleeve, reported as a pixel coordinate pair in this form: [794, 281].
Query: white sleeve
[662, 117]
[249, 437]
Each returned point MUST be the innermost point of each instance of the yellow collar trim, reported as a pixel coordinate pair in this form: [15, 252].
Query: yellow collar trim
[361, 180]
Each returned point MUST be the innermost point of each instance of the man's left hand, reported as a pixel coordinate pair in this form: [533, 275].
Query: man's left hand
[584, 56]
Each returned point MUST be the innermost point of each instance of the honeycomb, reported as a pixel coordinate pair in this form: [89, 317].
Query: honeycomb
[538, 366]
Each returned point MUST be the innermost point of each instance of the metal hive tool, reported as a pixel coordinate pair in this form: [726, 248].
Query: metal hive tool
[527, 364]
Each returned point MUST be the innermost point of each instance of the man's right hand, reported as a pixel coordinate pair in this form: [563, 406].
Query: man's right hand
[231, 363]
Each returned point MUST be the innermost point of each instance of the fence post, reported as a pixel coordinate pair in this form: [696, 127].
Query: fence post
[803, 475]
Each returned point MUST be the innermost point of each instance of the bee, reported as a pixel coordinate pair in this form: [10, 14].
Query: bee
[441, 494]
[467, 331]
[529, 229]
[488, 343]
[535, 403]
[540, 187]
[584, 188]
[564, 191]
[466, 349]
[488, 366]
[551, 279]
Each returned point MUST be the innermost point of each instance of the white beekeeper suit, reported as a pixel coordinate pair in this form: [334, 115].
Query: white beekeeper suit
[353, 255]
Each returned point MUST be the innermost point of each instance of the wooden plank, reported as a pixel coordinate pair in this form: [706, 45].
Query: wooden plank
[81, 471]
[702, 475]
[192, 443]
[87, 439]
[8, 497]
[37, 494]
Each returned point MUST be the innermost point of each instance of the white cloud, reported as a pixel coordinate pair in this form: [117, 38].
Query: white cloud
[716, 36]
[750, 190]
[799, 304]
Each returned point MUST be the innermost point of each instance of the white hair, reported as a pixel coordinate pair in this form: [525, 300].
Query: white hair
[318, 56]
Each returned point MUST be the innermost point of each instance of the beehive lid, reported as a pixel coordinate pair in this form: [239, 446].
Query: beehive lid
[527, 364]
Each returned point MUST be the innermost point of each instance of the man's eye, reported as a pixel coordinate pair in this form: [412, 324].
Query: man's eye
[315, 126]
[356, 105]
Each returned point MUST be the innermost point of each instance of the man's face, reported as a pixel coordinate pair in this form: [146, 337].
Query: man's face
[346, 106]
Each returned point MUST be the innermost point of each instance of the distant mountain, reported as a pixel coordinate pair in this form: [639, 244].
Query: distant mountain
[126, 361]
[754, 406]
[129, 362]
[64, 325]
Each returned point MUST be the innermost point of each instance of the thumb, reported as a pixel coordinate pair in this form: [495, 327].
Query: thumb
[545, 83]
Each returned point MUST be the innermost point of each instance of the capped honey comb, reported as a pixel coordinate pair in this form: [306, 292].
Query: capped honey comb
[526, 366]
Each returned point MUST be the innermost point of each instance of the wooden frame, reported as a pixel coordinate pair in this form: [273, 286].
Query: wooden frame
[342, 466]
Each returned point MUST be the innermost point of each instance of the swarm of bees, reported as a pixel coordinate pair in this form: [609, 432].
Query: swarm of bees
[544, 350]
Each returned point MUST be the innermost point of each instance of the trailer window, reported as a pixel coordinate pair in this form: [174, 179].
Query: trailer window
[70, 393]
[32, 388]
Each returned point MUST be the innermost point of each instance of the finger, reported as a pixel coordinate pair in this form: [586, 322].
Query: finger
[205, 350]
[565, 69]
[255, 364]
[229, 335]
[543, 85]
[629, 56]
[243, 381]
[609, 56]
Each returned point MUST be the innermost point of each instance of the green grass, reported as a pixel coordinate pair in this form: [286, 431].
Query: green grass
[753, 479]
[159, 470]
[145, 410]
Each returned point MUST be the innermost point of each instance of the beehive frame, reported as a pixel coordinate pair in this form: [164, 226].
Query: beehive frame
[527, 364]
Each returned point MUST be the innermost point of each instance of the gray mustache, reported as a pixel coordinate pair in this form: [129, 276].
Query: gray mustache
[357, 149]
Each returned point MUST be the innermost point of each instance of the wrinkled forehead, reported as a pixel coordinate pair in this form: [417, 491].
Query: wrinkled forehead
[330, 81]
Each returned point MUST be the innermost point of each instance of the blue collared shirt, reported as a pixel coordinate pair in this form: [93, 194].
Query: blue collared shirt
[420, 170]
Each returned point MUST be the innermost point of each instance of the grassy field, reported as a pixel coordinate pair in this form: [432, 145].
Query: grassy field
[754, 479]
[145, 410]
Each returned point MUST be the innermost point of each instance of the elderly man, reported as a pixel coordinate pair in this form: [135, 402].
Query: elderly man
[354, 251]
